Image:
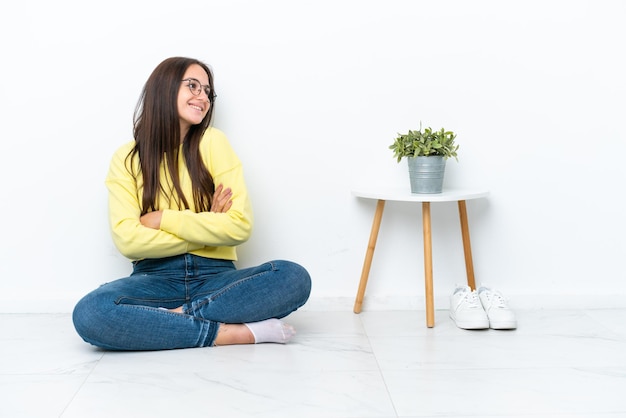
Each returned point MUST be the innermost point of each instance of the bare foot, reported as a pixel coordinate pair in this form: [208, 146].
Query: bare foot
[229, 334]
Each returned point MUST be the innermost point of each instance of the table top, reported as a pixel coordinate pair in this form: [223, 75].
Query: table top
[405, 195]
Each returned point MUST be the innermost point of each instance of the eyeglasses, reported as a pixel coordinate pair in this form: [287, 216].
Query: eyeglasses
[196, 88]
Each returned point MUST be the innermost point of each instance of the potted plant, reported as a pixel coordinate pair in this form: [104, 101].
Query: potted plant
[426, 152]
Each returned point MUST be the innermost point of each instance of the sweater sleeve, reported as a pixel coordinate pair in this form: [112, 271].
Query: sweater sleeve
[131, 238]
[214, 229]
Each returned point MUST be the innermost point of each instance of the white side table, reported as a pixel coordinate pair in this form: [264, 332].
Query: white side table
[402, 195]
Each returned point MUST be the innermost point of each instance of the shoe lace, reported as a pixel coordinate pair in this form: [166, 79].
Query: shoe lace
[472, 299]
[497, 300]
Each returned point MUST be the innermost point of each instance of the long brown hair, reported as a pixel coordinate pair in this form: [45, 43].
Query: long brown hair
[157, 138]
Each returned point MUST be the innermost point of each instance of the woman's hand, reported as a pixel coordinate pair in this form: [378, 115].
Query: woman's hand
[222, 199]
[152, 219]
[221, 203]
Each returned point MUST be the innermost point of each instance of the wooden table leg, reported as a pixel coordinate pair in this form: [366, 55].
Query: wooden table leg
[369, 254]
[428, 265]
[467, 248]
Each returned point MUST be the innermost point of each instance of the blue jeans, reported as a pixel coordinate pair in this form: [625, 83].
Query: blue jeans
[125, 314]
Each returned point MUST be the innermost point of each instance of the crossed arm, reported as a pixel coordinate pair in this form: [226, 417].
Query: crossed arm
[221, 203]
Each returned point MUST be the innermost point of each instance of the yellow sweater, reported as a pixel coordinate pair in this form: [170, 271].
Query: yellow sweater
[207, 234]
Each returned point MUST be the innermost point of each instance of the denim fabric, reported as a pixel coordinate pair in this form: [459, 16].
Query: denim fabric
[127, 314]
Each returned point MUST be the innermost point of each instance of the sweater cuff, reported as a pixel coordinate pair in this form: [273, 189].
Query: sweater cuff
[170, 222]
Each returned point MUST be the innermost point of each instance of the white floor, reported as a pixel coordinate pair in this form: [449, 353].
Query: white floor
[558, 363]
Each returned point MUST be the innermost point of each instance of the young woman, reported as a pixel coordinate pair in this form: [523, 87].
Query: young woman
[178, 207]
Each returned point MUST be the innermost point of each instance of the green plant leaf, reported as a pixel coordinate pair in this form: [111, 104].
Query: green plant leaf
[424, 142]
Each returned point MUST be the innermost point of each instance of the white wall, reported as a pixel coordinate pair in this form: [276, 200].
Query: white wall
[311, 94]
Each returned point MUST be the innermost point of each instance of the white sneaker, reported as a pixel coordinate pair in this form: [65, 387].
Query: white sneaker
[499, 314]
[466, 310]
